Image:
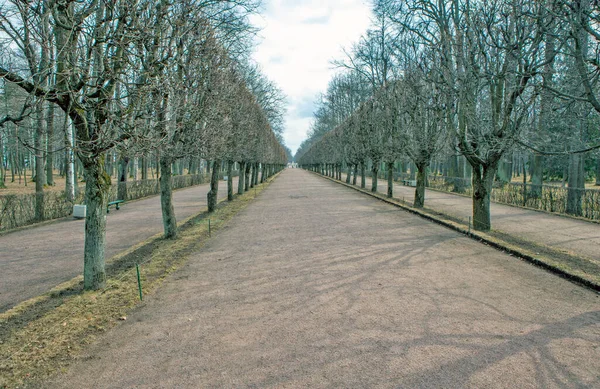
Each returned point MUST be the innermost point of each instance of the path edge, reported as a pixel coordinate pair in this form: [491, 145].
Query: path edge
[58, 219]
[494, 242]
[44, 367]
[5, 315]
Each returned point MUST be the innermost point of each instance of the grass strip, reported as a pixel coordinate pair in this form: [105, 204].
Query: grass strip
[44, 334]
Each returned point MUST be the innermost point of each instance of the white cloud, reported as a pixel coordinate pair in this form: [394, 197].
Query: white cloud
[299, 40]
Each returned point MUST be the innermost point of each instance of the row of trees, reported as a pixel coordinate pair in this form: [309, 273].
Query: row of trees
[463, 79]
[171, 78]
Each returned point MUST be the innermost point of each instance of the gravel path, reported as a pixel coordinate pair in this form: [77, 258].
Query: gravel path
[569, 235]
[34, 260]
[315, 285]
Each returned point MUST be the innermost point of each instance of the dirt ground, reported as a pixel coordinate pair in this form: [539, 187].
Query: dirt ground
[315, 285]
[36, 259]
[577, 237]
[20, 187]
[15, 188]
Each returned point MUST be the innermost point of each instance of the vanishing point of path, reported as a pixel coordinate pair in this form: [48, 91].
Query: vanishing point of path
[316, 285]
[35, 259]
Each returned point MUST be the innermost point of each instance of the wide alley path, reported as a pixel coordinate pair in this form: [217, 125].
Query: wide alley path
[316, 285]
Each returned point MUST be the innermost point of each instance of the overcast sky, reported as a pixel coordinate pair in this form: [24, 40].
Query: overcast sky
[299, 38]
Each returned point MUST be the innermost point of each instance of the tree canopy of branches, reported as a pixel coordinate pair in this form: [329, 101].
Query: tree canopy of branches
[477, 79]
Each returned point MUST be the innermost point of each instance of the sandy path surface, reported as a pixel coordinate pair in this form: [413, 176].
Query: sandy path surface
[34, 260]
[315, 285]
[574, 236]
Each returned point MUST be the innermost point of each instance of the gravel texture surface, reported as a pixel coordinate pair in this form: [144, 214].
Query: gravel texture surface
[315, 285]
[577, 237]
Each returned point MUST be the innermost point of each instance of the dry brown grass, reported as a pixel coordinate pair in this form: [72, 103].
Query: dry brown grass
[43, 335]
[25, 187]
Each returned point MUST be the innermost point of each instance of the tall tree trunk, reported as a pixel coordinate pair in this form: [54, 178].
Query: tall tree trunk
[50, 145]
[40, 173]
[135, 168]
[349, 174]
[420, 189]
[363, 178]
[576, 184]
[390, 179]
[577, 118]
[229, 180]
[374, 176]
[241, 177]
[258, 172]
[166, 198]
[525, 194]
[247, 177]
[97, 185]
[483, 179]
[69, 162]
[355, 174]
[144, 168]
[252, 174]
[2, 166]
[122, 185]
[13, 166]
[263, 172]
[212, 195]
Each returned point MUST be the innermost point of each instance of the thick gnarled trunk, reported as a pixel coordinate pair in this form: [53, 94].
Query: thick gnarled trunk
[390, 179]
[483, 179]
[420, 188]
[122, 186]
[374, 176]
[97, 184]
[213, 194]
[166, 199]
